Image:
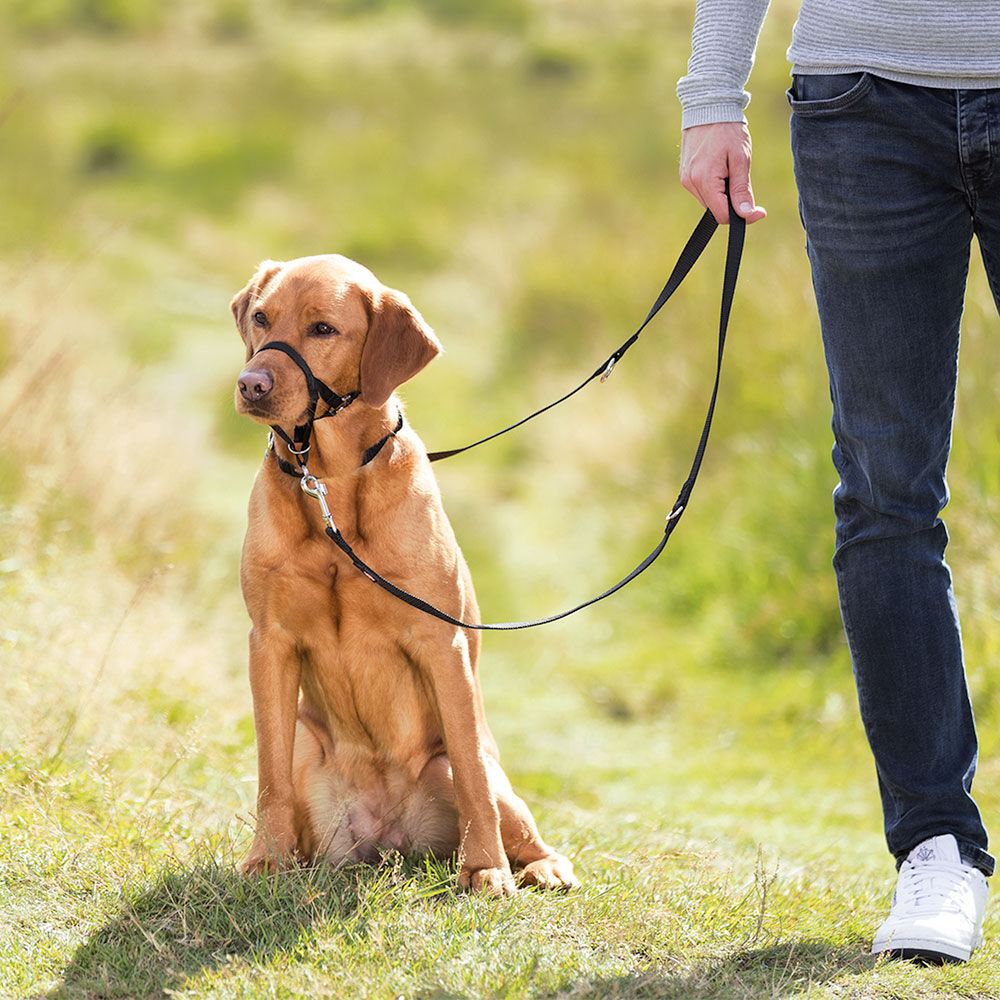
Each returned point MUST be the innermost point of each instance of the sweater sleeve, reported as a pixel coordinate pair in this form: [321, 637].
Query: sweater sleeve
[723, 45]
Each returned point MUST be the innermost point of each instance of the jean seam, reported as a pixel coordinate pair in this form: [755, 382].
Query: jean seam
[961, 126]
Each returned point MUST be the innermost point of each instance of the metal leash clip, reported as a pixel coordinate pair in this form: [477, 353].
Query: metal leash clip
[316, 489]
[608, 369]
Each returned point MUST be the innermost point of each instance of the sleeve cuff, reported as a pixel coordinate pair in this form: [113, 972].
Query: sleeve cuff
[712, 114]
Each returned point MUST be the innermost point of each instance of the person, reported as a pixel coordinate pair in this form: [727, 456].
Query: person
[896, 152]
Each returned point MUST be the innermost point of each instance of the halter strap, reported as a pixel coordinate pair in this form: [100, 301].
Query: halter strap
[298, 441]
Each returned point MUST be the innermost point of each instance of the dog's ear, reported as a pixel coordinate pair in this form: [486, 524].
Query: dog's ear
[244, 300]
[399, 344]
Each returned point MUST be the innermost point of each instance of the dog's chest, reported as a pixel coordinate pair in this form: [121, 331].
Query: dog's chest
[368, 693]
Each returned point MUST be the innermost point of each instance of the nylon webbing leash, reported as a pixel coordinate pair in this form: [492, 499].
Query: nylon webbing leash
[692, 251]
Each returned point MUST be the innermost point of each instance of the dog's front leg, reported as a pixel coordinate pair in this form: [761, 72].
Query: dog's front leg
[274, 683]
[484, 864]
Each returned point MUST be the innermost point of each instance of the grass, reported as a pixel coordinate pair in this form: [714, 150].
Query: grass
[693, 743]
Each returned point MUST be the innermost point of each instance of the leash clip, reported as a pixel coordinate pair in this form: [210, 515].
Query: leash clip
[316, 489]
[608, 369]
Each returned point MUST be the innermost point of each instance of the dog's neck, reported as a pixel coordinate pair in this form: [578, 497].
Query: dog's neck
[339, 447]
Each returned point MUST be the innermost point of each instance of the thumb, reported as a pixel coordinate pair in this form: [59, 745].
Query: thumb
[741, 193]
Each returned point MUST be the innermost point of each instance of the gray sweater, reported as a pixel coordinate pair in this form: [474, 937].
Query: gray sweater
[934, 43]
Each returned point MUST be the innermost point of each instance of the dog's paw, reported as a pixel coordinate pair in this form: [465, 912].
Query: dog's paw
[496, 882]
[267, 861]
[552, 872]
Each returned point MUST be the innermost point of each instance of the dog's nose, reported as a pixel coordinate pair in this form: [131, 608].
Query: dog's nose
[255, 385]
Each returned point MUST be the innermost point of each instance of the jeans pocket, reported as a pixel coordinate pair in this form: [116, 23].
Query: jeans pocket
[825, 94]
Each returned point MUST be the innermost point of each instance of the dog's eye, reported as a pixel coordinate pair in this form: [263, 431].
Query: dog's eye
[323, 330]
[260, 319]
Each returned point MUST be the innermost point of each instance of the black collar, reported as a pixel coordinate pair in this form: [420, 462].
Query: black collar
[371, 452]
[368, 456]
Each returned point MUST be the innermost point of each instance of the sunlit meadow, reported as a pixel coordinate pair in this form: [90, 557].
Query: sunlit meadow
[691, 743]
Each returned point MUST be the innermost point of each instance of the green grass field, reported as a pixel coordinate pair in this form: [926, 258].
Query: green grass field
[692, 744]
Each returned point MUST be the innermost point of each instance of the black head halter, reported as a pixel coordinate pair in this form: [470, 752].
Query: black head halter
[298, 442]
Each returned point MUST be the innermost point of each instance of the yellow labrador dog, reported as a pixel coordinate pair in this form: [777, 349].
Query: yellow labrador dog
[371, 732]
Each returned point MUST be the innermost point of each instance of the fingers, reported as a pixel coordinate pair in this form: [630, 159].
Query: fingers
[740, 190]
[705, 169]
[711, 155]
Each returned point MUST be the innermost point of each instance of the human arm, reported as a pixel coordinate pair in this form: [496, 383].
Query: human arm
[715, 142]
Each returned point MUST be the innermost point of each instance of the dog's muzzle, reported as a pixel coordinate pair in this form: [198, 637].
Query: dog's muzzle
[258, 383]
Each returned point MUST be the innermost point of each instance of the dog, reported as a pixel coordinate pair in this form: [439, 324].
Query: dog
[369, 718]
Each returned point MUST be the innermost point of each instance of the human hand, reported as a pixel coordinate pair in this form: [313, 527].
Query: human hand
[713, 154]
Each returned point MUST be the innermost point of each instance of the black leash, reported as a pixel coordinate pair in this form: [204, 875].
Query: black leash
[696, 244]
[691, 252]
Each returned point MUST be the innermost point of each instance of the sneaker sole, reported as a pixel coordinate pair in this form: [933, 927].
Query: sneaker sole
[921, 956]
[924, 952]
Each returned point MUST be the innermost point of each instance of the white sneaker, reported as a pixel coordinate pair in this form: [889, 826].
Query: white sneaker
[937, 909]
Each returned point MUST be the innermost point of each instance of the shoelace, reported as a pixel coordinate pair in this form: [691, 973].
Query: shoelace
[940, 886]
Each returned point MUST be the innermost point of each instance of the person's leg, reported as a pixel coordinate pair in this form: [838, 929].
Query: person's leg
[889, 226]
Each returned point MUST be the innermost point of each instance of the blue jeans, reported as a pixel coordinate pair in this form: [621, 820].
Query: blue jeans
[893, 182]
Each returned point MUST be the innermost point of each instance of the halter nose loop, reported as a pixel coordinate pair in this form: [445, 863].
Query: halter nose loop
[312, 384]
[298, 442]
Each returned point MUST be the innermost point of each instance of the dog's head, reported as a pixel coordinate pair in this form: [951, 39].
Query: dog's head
[355, 334]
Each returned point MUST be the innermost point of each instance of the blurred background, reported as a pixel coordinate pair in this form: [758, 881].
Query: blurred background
[512, 166]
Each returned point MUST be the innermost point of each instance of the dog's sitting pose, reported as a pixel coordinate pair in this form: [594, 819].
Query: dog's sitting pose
[388, 748]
